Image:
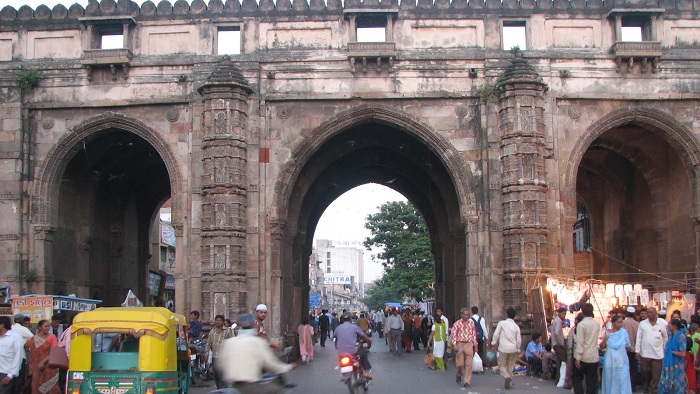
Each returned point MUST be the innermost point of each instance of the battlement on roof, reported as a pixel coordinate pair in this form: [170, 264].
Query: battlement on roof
[436, 8]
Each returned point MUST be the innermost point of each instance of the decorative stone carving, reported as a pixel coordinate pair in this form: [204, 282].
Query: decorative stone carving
[47, 123]
[172, 114]
[220, 123]
[575, 112]
[283, 112]
[220, 306]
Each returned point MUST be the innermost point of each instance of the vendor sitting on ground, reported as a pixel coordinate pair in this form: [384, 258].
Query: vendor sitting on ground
[533, 354]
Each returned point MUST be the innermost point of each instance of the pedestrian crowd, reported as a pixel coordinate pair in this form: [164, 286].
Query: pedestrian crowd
[25, 362]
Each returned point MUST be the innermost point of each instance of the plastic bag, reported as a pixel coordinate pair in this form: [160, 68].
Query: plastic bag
[477, 364]
[562, 374]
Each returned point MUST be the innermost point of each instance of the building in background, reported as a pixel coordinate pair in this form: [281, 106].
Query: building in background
[161, 268]
[338, 275]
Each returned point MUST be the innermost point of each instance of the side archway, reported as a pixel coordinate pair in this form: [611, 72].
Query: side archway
[93, 203]
[635, 174]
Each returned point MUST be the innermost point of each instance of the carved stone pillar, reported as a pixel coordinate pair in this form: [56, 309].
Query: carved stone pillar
[523, 181]
[224, 191]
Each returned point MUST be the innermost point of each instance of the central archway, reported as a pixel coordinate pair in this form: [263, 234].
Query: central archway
[371, 144]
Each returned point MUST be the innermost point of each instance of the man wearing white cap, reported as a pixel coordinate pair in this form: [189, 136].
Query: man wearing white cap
[260, 315]
[631, 325]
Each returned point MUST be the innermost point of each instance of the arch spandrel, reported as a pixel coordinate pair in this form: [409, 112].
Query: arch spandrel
[309, 144]
[46, 183]
[682, 139]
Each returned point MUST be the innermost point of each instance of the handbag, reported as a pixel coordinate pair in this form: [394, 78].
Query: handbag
[429, 359]
[58, 358]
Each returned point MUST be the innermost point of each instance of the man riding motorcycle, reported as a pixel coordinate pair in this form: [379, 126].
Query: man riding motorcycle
[244, 357]
[346, 342]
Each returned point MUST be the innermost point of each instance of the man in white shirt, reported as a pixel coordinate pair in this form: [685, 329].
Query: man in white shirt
[244, 357]
[483, 341]
[25, 333]
[507, 340]
[394, 327]
[10, 356]
[650, 344]
[440, 312]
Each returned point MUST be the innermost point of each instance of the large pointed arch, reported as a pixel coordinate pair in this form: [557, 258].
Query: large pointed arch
[365, 113]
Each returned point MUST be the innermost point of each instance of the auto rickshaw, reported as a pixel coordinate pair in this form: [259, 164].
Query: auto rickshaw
[139, 350]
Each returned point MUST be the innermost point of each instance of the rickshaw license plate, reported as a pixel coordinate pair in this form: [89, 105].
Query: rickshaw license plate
[193, 357]
[346, 369]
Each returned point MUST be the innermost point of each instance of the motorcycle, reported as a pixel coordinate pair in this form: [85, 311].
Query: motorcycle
[351, 371]
[277, 380]
[201, 367]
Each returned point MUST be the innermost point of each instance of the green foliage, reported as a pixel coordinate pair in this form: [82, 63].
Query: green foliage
[28, 79]
[409, 266]
[515, 49]
[31, 276]
[490, 92]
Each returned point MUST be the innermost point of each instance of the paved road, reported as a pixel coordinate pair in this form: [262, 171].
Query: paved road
[405, 374]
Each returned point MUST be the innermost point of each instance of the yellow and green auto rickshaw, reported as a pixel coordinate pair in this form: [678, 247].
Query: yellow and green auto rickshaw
[139, 350]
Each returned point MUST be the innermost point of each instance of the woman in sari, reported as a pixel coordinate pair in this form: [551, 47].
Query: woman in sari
[673, 379]
[306, 341]
[616, 377]
[44, 378]
[438, 337]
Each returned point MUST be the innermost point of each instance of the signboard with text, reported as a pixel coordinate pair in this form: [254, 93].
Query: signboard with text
[337, 280]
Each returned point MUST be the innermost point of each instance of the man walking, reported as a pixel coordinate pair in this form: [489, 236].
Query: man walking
[394, 324]
[10, 356]
[325, 324]
[586, 353]
[556, 330]
[506, 339]
[650, 343]
[464, 342]
[482, 332]
[631, 326]
[214, 343]
[25, 333]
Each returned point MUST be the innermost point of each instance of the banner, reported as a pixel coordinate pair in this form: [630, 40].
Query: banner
[167, 234]
[37, 308]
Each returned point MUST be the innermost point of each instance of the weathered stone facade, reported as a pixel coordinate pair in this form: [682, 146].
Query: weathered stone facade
[503, 153]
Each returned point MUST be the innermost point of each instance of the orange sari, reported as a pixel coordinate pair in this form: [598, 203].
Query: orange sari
[44, 381]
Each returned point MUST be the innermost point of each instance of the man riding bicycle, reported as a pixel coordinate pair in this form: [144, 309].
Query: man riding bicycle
[346, 335]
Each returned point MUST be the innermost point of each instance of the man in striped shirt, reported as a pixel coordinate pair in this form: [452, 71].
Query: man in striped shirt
[464, 342]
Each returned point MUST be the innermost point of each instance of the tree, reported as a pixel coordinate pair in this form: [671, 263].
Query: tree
[409, 266]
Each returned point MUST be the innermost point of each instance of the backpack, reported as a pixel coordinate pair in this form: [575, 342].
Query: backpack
[479, 329]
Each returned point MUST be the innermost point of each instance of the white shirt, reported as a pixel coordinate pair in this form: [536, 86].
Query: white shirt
[246, 355]
[394, 322]
[447, 323]
[507, 336]
[483, 325]
[25, 333]
[10, 353]
[651, 339]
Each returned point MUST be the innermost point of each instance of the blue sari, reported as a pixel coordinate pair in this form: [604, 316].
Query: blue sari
[616, 376]
[673, 379]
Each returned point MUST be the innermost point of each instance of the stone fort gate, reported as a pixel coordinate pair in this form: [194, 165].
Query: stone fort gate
[575, 156]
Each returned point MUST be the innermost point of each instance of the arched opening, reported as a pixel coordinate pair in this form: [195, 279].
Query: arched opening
[104, 196]
[634, 190]
[387, 150]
